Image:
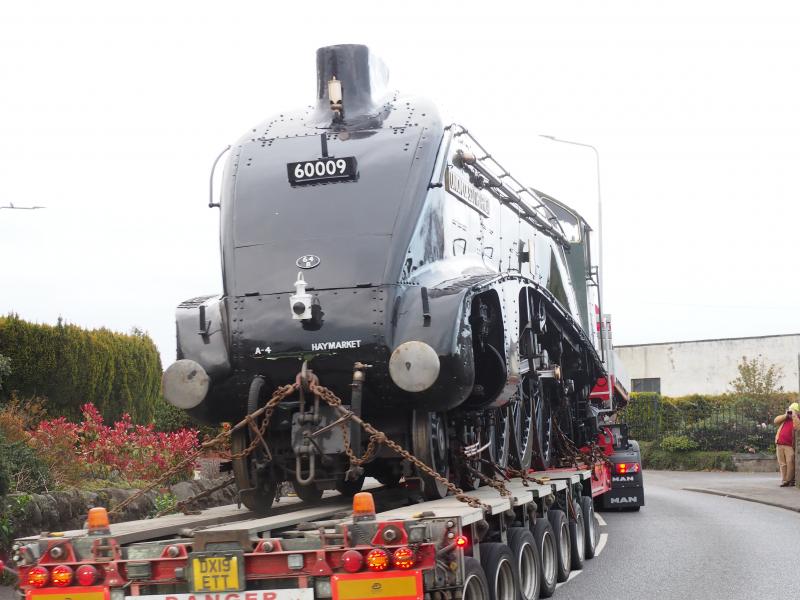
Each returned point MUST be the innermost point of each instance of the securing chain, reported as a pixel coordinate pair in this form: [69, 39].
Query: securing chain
[219, 441]
[380, 438]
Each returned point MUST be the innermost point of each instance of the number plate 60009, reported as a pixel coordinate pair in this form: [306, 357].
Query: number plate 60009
[322, 170]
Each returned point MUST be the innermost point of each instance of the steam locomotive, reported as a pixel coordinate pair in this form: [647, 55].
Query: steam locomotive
[446, 303]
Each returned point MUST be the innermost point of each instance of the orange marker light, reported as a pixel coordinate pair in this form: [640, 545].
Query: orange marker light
[38, 577]
[378, 560]
[61, 575]
[363, 506]
[404, 558]
[97, 519]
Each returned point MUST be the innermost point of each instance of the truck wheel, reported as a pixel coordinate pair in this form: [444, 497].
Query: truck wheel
[560, 525]
[529, 564]
[577, 537]
[475, 585]
[590, 525]
[546, 544]
[501, 571]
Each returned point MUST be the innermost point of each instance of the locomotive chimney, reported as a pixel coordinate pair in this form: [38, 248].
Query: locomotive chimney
[350, 80]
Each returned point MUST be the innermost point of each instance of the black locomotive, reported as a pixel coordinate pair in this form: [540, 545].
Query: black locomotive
[445, 302]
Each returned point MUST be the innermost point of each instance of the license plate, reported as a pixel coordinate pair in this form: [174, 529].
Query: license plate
[73, 593]
[387, 586]
[217, 572]
[322, 170]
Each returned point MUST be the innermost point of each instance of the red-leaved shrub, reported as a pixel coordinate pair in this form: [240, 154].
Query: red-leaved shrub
[122, 451]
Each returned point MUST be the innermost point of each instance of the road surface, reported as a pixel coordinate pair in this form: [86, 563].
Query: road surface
[687, 545]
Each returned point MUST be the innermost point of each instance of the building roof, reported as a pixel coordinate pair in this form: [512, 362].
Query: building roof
[753, 337]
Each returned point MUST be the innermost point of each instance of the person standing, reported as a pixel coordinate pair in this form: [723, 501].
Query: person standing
[785, 441]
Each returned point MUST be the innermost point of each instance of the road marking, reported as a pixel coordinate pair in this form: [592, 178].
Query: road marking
[572, 576]
[601, 544]
[600, 520]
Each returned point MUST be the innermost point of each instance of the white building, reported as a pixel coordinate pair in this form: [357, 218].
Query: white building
[706, 366]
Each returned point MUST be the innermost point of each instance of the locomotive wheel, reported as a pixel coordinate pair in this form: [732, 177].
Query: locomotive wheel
[255, 492]
[308, 493]
[430, 444]
[522, 413]
[349, 488]
[543, 431]
[498, 428]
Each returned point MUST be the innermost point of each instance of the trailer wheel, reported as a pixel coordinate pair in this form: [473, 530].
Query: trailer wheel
[546, 544]
[475, 585]
[560, 525]
[590, 525]
[501, 571]
[577, 536]
[529, 563]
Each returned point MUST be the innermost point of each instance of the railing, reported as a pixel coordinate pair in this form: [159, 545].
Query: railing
[738, 428]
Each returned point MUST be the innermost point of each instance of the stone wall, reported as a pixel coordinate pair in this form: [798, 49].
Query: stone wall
[755, 463]
[65, 510]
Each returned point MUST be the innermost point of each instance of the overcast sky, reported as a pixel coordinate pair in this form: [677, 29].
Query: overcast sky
[111, 115]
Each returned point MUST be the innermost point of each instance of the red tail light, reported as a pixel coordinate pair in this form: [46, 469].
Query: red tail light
[38, 577]
[404, 558]
[86, 575]
[462, 541]
[625, 468]
[378, 560]
[352, 561]
[61, 575]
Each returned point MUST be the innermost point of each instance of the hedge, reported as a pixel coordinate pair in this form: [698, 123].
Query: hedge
[732, 422]
[71, 366]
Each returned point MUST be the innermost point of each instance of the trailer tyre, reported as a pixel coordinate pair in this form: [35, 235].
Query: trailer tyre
[500, 568]
[590, 525]
[577, 536]
[560, 524]
[546, 544]
[475, 585]
[529, 564]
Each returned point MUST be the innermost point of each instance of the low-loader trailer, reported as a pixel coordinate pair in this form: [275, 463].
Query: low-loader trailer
[515, 539]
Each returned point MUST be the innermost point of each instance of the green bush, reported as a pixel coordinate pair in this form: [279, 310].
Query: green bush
[22, 470]
[678, 443]
[656, 458]
[71, 366]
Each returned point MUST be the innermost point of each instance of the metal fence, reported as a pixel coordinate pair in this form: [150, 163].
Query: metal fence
[736, 428]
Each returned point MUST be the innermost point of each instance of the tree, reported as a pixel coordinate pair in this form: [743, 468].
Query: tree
[5, 369]
[756, 376]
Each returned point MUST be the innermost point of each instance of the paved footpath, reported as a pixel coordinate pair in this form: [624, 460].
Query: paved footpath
[763, 488]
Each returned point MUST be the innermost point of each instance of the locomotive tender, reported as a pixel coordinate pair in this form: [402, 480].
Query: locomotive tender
[448, 304]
